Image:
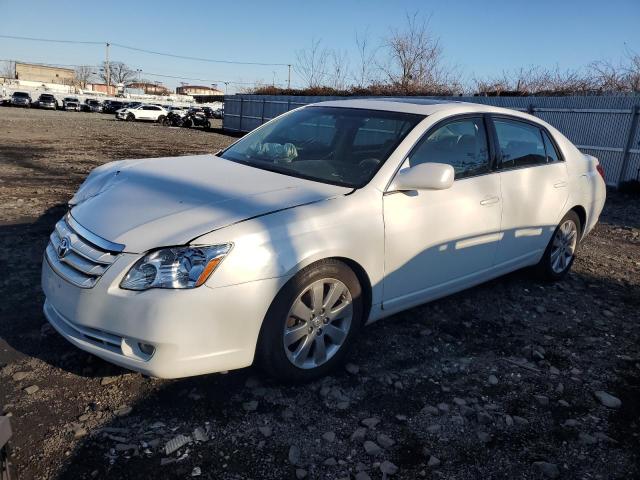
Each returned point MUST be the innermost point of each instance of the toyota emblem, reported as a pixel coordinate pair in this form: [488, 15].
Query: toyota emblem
[64, 248]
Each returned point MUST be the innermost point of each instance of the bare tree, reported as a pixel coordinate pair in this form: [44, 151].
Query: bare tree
[311, 64]
[414, 57]
[536, 80]
[84, 74]
[633, 71]
[339, 70]
[623, 77]
[364, 75]
[8, 69]
[119, 73]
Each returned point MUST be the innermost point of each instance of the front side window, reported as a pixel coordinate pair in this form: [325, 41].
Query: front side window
[520, 144]
[342, 146]
[459, 143]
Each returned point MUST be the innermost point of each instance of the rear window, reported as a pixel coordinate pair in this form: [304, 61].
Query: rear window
[520, 143]
[20, 94]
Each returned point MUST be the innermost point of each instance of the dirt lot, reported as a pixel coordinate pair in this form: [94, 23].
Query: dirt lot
[495, 382]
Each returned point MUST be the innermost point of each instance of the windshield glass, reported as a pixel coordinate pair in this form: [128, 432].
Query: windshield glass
[20, 94]
[342, 146]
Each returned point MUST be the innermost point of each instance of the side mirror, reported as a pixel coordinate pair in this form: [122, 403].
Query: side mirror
[425, 176]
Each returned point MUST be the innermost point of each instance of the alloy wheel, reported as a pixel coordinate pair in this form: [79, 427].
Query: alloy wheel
[318, 323]
[563, 247]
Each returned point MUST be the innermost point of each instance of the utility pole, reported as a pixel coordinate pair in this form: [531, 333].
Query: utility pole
[107, 70]
[289, 80]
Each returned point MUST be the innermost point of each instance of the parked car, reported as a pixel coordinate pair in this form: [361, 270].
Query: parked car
[46, 100]
[21, 99]
[71, 103]
[279, 248]
[111, 106]
[152, 113]
[91, 105]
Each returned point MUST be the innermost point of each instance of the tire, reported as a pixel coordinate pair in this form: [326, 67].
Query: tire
[302, 359]
[207, 125]
[187, 123]
[131, 117]
[560, 252]
[161, 119]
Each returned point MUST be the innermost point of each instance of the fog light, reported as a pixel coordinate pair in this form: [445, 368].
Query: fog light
[146, 348]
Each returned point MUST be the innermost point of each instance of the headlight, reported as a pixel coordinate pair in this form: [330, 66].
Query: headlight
[178, 267]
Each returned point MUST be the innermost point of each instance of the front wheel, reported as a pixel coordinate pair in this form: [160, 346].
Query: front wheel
[131, 117]
[312, 322]
[560, 253]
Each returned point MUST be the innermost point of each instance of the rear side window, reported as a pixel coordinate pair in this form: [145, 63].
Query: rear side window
[552, 152]
[520, 143]
[459, 143]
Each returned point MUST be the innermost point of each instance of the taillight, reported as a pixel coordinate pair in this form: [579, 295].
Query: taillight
[600, 170]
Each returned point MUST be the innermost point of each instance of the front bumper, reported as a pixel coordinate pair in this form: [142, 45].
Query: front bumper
[193, 332]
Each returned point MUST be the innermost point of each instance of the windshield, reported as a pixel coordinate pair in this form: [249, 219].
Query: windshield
[20, 94]
[342, 146]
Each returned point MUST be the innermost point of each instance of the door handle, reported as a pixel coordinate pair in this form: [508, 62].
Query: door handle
[490, 201]
[560, 184]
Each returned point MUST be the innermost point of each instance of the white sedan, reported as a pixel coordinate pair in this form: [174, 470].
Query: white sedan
[153, 113]
[280, 248]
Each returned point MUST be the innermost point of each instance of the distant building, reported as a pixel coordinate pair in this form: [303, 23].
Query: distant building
[44, 73]
[198, 90]
[149, 88]
[102, 88]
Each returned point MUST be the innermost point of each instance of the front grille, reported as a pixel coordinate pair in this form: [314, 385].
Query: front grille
[81, 262]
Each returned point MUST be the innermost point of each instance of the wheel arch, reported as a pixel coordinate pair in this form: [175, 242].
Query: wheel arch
[355, 266]
[582, 216]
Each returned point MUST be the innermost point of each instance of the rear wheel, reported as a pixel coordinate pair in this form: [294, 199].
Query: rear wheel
[560, 253]
[312, 322]
[161, 119]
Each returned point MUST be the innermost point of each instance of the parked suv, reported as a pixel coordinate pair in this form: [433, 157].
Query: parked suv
[46, 100]
[71, 103]
[91, 105]
[152, 113]
[21, 99]
[112, 106]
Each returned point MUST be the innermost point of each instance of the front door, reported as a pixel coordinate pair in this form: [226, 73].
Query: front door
[438, 241]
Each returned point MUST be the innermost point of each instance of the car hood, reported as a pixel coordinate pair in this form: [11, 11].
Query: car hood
[150, 203]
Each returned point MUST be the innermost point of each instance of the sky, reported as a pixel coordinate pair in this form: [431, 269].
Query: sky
[479, 38]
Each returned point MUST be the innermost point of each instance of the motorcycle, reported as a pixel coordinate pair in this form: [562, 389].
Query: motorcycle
[196, 119]
[173, 120]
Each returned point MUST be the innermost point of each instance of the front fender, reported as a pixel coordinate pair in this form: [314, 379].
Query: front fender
[282, 243]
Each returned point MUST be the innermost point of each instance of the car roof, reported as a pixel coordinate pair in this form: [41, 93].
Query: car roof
[421, 106]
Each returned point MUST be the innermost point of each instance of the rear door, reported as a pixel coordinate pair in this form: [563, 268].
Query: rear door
[534, 184]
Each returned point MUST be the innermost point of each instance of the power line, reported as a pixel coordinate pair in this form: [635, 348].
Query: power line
[199, 59]
[143, 50]
[33, 39]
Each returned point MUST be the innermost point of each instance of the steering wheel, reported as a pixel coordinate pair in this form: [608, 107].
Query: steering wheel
[369, 163]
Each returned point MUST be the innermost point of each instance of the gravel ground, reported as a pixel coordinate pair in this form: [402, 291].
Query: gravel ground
[511, 379]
